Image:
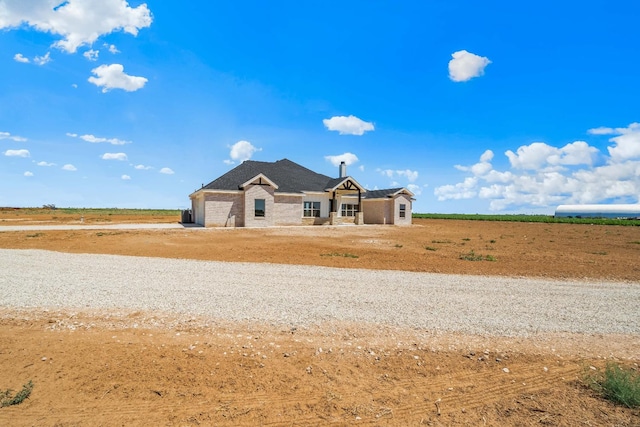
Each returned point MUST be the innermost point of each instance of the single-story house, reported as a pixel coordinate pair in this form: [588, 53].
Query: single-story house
[263, 194]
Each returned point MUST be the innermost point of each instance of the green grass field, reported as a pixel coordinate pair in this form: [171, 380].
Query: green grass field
[529, 218]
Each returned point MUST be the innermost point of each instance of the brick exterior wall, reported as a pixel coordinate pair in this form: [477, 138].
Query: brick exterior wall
[223, 210]
[253, 192]
[377, 211]
[288, 210]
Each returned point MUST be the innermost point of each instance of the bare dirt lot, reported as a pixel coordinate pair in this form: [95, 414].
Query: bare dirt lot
[119, 368]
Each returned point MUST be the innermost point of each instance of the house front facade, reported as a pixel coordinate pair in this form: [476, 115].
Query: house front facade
[263, 194]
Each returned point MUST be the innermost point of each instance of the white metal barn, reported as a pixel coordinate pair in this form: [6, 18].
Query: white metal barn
[598, 211]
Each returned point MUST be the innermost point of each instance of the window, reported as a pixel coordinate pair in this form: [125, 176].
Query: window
[259, 207]
[349, 209]
[403, 210]
[312, 209]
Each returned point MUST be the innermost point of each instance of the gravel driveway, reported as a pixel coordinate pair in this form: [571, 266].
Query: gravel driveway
[303, 295]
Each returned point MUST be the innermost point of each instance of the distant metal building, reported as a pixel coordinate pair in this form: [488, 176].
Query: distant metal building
[598, 211]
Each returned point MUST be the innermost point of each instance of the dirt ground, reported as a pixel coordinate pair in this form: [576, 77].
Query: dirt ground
[120, 368]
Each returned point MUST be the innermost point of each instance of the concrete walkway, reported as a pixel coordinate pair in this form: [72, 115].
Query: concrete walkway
[99, 227]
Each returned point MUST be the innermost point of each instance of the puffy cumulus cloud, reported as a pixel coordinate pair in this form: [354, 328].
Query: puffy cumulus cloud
[28, 173]
[543, 176]
[111, 48]
[538, 155]
[69, 167]
[114, 156]
[96, 140]
[626, 142]
[410, 175]
[167, 171]
[466, 65]
[142, 167]
[17, 153]
[348, 125]
[18, 57]
[7, 135]
[91, 55]
[46, 164]
[241, 151]
[77, 22]
[113, 77]
[347, 158]
[125, 177]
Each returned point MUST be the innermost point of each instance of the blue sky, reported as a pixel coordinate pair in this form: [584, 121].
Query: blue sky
[477, 107]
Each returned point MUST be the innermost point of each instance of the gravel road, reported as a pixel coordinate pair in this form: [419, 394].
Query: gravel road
[305, 296]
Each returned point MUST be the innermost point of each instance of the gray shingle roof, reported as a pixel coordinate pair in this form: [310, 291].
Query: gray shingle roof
[289, 176]
[379, 194]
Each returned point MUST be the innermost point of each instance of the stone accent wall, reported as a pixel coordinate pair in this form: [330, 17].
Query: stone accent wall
[223, 210]
[288, 210]
[253, 192]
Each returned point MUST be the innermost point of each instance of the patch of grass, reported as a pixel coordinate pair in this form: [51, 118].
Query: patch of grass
[398, 245]
[35, 235]
[466, 239]
[600, 253]
[472, 256]
[345, 255]
[635, 242]
[430, 248]
[441, 241]
[108, 233]
[619, 385]
[492, 241]
[21, 396]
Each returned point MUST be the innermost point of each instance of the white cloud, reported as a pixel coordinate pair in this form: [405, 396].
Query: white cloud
[541, 175]
[69, 167]
[410, 175]
[142, 167]
[42, 60]
[17, 153]
[113, 77]
[347, 158]
[114, 156]
[626, 143]
[27, 173]
[112, 48]
[242, 150]
[18, 57]
[96, 140]
[78, 22]
[167, 171]
[415, 189]
[91, 55]
[539, 154]
[7, 135]
[465, 65]
[46, 164]
[125, 177]
[361, 168]
[228, 162]
[348, 125]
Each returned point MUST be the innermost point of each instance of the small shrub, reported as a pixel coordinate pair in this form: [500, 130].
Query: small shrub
[472, 256]
[492, 241]
[441, 241]
[21, 396]
[619, 385]
[398, 245]
[466, 239]
[345, 255]
[430, 248]
[35, 235]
